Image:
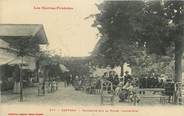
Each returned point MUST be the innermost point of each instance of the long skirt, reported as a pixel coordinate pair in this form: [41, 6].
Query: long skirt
[123, 94]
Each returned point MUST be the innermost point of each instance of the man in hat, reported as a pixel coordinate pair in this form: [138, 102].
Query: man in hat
[127, 77]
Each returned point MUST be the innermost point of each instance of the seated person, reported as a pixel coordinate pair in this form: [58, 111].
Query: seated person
[128, 85]
[115, 82]
[124, 91]
[105, 76]
[128, 91]
[119, 87]
[127, 77]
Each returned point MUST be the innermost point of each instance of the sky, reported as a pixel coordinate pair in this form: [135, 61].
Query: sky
[67, 31]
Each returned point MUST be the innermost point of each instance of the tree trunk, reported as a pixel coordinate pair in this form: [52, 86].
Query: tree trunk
[37, 69]
[122, 69]
[178, 71]
[21, 80]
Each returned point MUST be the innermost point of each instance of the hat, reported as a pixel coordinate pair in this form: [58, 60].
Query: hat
[126, 72]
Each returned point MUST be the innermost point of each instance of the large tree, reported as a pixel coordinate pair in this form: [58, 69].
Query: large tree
[163, 30]
[127, 26]
[115, 26]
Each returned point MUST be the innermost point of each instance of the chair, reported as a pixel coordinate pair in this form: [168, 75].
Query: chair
[107, 92]
[91, 86]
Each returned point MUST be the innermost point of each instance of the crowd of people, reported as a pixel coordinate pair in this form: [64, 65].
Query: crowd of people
[126, 85]
[123, 86]
[153, 81]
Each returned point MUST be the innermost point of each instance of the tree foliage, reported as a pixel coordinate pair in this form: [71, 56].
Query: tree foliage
[115, 26]
[131, 26]
[76, 65]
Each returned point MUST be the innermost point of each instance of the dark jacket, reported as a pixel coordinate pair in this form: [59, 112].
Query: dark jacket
[126, 77]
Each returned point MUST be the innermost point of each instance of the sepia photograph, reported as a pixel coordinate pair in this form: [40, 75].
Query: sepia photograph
[114, 53]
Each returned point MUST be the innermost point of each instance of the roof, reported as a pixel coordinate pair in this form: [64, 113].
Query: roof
[23, 31]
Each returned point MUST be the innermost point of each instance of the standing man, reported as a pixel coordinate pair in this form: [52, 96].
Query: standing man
[70, 79]
[67, 79]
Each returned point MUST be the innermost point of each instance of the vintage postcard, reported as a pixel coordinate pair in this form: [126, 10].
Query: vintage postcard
[91, 57]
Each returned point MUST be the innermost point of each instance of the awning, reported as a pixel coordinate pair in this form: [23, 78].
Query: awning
[63, 68]
[9, 32]
[6, 57]
[4, 61]
[12, 59]
[17, 61]
[3, 44]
